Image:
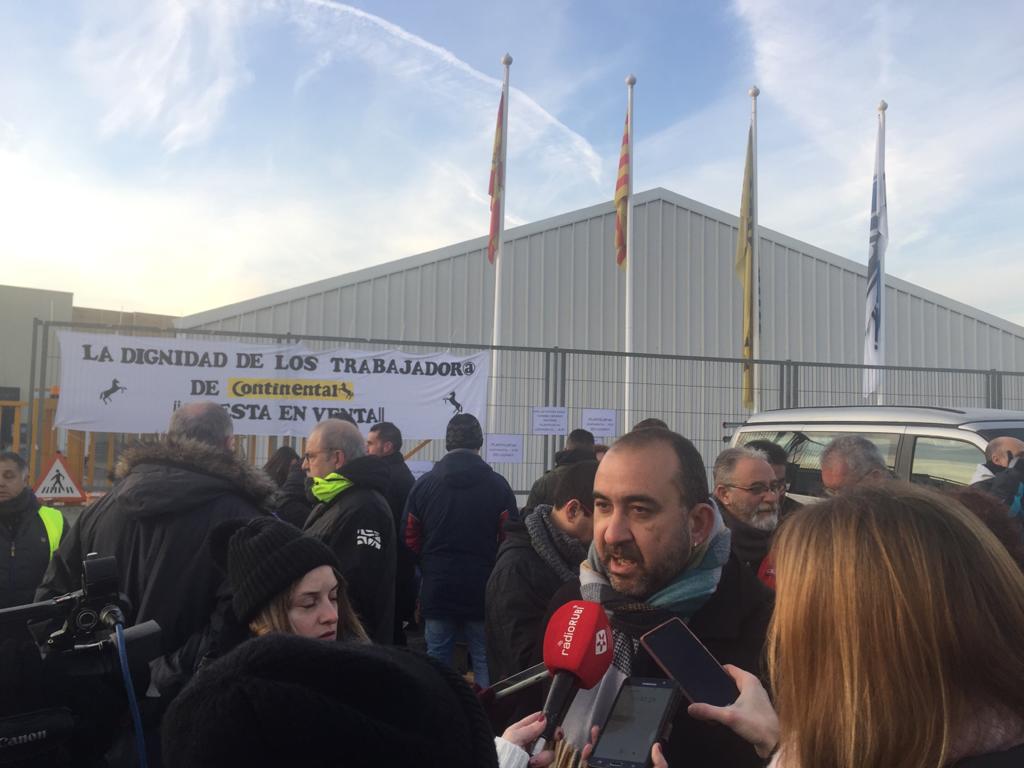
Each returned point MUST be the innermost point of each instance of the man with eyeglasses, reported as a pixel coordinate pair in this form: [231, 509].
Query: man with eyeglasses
[352, 517]
[748, 494]
[779, 459]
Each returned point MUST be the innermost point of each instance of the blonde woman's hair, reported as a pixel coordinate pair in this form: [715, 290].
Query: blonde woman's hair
[898, 616]
[274, 616]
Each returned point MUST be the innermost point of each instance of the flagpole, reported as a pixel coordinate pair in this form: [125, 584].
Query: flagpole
[754, 92]
[882, 106]
[492, 420]
[878, 241]
[628, 410]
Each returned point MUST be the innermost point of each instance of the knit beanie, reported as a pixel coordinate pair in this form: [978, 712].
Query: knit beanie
[283, 700]
[463, 432]
[263, 557]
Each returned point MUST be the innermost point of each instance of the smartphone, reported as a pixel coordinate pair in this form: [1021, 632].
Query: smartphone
[685, 659]
[641, 715]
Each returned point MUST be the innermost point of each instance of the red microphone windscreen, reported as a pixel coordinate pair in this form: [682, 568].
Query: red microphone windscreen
[578, 640]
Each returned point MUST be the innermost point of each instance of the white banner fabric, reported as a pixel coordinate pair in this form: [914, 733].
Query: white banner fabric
[134, 383]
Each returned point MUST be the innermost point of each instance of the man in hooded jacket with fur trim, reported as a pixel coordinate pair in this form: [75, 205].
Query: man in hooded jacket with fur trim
[155, 520]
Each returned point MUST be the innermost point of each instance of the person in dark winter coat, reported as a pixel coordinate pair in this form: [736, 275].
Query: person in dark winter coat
[352, 517]
[282, 700]
[661, 550]
[385, 442]
[579, 446]
[29, 533]
[453, 522]
[289, 503]
[536, 558]
[155, 520]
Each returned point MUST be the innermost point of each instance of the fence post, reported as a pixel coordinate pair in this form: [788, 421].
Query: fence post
[993, 389]
[548, 389]
[794, 380]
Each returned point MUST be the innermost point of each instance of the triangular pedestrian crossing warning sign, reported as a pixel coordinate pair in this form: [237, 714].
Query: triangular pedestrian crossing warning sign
[58, 484]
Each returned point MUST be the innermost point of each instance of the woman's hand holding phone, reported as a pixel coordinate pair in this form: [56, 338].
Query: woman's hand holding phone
[657, 757]
[752, 717]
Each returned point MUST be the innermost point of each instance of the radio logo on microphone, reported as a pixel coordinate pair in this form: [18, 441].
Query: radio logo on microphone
[601, 642]
[566, 642]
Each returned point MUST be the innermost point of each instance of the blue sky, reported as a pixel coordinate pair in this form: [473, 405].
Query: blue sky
[178, 156]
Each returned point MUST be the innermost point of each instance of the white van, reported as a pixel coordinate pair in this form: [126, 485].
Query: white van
[933, 446]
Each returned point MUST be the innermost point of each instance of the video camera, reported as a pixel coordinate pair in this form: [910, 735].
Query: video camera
[62, 674]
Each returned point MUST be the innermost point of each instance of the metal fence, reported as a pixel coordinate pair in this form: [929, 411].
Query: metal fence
[700, 397]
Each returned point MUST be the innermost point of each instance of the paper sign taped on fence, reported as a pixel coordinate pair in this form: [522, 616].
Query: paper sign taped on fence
[505, 449]
[550, 420]
[600, 422]
[58, 484]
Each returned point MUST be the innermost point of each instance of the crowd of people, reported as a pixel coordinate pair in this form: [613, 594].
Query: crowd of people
[879, 626]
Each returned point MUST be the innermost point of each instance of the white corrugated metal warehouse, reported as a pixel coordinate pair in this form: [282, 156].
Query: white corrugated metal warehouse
[561, 288]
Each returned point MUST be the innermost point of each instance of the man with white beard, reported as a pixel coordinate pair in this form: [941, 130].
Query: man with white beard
[748, 494]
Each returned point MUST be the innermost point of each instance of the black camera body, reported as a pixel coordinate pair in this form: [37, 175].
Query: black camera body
[62, 690]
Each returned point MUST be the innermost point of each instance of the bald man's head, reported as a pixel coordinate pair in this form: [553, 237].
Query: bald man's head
[1001, 449]
[206, 422]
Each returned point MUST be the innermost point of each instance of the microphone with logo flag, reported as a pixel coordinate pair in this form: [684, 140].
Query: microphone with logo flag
[577, 653]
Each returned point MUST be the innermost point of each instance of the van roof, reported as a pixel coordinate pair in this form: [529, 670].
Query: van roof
[887, 414]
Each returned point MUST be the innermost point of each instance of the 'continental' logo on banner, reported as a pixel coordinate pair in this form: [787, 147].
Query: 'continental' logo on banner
[299, 389]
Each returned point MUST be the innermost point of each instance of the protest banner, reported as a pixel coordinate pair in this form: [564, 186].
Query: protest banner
[133, 384]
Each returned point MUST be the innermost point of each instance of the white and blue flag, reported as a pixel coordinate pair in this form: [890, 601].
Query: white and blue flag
[874, 330]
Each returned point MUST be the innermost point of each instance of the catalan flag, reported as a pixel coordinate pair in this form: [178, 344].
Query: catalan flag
[622, 187]
[496, 188]
[745, 270]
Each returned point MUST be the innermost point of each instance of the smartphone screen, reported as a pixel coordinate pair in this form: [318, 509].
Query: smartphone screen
[639, 716]
[685, 659]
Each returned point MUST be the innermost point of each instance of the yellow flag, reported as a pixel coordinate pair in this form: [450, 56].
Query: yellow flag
[745, 270]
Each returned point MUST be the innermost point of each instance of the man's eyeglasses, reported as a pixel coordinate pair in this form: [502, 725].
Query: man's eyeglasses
[760, 489]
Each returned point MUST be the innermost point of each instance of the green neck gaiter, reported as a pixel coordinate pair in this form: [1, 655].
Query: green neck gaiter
[326, 488]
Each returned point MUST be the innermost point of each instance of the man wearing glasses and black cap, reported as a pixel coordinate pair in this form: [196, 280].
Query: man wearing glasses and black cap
[748, 494]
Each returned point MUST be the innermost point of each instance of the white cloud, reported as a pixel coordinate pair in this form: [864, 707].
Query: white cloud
[341, 28]
[168, 66]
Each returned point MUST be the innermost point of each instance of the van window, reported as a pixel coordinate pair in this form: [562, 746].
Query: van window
[805, 448]
[943, 462]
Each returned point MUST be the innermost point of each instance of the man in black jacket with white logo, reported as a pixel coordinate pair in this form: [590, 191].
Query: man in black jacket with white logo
[353, 518]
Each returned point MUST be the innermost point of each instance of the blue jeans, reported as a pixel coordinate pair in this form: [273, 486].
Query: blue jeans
[441, 635]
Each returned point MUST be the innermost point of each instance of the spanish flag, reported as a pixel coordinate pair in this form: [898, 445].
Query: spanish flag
[496, 188]
[622, 198]
[745, 270]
